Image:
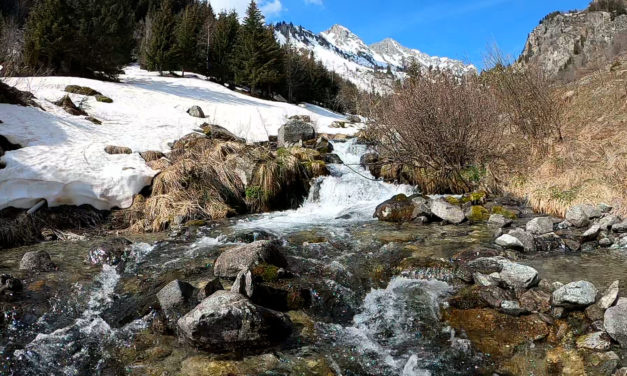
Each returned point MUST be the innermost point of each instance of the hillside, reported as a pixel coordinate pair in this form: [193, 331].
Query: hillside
[590, 165]
[62, 157]
[567, 45]
[343, 52]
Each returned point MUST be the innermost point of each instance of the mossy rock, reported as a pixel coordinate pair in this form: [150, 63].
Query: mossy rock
[81, 90]
[477, 214]
[400, 198]
[266, 272]
[504, 212]
[453, 200]
[475, 198]
[103, 99]
[319, 168]
[196, 223]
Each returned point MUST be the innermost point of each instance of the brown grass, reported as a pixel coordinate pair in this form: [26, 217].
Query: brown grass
[590, 165]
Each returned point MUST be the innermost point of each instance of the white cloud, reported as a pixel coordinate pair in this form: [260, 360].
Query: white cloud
[269, 8]
[316, 2]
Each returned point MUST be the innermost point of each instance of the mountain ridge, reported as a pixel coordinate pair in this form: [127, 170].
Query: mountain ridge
[345, 53]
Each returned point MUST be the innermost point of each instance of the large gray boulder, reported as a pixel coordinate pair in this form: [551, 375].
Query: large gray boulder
[525, 238]
[620, 227]
[615, 322]
[540, 226]
[610, 295]
[247, 256]
[397, 209]
[228, 321]
[517, 276]
[196, 111]
[580, 215]
[447, 211]
[575, 294]
[295, 131]
[509, 242]
[499, 220]
[176, 299]
[37, 261]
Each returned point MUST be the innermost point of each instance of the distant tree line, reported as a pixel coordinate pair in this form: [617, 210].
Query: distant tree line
[97, 38]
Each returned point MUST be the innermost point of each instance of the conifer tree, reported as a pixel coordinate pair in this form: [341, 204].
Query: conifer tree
[221, 46]
[258, 56]
[160, 52]
[188, 31]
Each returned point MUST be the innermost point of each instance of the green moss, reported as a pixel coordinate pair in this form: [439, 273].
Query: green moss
[400, 198]
[473, 174]
[266, 272]
[196, 223]
[282, 152]
[82, 90]
[504, 212]
[566, 196]
[254, 192]
[103, 99]
[478, 214]
[453, 200]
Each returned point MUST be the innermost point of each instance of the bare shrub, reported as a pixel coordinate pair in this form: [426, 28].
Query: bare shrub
[439, 126]
[525, 97]
[11, 48]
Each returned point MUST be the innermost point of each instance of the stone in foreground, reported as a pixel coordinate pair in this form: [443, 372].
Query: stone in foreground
[615, 322]
[247, 256]
[295, 131]
[447, 212]
[509, 242]
[227, 321]
[575, 294]
[176, 299]
[397, 209]
[37, 261]
[540, 225]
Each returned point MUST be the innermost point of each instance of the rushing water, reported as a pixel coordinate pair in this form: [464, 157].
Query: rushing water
[372, 312]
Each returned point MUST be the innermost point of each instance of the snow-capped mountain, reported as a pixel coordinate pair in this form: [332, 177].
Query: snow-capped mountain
[342, 51]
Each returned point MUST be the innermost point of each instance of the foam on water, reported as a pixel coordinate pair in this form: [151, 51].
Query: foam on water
[389, 331]
[350, 194]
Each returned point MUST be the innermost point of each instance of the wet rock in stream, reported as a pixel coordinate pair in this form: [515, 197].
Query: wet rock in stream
[233, 260]
[110, 252]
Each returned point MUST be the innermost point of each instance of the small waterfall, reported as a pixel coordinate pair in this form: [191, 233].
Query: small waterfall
[350, 194]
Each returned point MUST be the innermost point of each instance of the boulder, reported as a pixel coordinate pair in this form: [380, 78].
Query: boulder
[620, 227]
[512, 308]
[609, 297]
[69, 106]
[548, 243]
[536, 300]
[540, 225]
[397, 209]
[247, 256]
[525, 238]
[480, 297]
[447, 212]
[305, 118]
[517, 276]
[217, 132]
[196, 111]
[244, 284]
[323, 145]
[580, 215]
[607, 222]
[591, 233]
[176, 299]
[499, 220]
[509, 242]
[575, 294]
[209, 288]
[332, 159]
[9, 287]
[114, 150]
[110, 252]
[615, 323]
[295, 131]
[597, 341]
[370, 162]
[37, 261]
[227, 321]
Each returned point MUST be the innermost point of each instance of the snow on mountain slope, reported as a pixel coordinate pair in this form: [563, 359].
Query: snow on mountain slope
[63, 160]
[345, 53]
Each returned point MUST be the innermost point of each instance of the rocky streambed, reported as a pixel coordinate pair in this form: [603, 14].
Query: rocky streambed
[457, 285]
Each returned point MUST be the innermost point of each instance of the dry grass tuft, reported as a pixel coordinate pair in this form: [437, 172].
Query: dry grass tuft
[590, 165]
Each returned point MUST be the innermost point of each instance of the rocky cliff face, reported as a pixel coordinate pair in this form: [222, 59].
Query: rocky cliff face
[565, 45]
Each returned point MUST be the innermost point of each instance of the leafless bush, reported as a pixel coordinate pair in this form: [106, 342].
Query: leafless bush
[442, 127]
[525, 97]
[11, 48]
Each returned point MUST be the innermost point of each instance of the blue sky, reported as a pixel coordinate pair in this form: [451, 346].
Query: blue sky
[461, 29]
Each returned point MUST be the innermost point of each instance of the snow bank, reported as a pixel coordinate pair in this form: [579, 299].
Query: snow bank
[62, 158]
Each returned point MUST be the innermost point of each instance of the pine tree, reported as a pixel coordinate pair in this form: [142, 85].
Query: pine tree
[258, 55]
[293, 74]
[188, 29]
[80, 37]
[159, 51]
[221, 46]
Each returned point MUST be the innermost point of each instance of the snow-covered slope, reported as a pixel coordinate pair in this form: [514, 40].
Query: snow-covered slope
[63, 160]
[344, 52]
